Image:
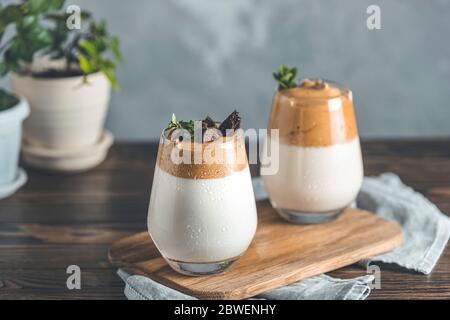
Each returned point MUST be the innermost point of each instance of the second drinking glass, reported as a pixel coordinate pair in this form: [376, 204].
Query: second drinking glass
[319, 163]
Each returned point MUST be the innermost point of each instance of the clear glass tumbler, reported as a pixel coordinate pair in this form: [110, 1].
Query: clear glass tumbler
[202, 212]
[320, 168]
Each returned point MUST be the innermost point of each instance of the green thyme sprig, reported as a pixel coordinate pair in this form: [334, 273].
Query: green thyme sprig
[175, 124]
[286, 77]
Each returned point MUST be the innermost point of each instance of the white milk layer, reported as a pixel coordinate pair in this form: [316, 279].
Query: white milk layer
[315, 179]
[204, 220]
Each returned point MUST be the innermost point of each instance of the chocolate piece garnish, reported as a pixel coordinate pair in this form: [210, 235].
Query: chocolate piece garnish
[211, 134]
[208, 123]
[209, 130]
[316, 84]
[232, 122]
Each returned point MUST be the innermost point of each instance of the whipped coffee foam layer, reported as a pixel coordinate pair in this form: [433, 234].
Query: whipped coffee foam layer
[209, 160]
[314, 114]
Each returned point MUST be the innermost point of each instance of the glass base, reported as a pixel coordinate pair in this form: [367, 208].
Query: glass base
[309, 217]
[201, 269]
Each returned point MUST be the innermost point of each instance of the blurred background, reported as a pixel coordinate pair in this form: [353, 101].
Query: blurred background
[208, 57]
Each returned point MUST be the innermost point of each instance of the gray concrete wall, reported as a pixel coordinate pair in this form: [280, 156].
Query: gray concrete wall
[199, 57]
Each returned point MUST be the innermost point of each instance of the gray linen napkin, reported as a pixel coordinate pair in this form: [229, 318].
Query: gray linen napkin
[426, 229]
[321, 287]
[426, 232]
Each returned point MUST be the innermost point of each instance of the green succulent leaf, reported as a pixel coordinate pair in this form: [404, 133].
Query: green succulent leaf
[9, 14]
[286, 77]
[3, 69]
[7, 100]
[90, 48]
[42, 6]
[115, 48]
[40, 28]
[111, 75]
[85, 64]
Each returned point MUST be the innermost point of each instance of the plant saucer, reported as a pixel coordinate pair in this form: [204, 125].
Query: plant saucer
[68, 160]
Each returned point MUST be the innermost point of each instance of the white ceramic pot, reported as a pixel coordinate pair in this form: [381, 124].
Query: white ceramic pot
[10, 139]
[65, 112]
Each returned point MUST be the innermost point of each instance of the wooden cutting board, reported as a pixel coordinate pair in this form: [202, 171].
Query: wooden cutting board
[280, 254]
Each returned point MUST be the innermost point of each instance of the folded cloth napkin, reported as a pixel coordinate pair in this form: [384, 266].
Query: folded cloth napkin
[321, 287]
[426, 231]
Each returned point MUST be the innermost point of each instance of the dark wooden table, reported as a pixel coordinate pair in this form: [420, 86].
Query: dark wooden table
[60, 220]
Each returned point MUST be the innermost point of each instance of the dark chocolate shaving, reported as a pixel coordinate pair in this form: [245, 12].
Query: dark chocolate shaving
[232, 122]
[209, 130]
[208, 123]
[211, 134]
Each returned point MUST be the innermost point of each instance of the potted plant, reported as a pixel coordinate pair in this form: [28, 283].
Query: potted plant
[66, 75]
[13, 111]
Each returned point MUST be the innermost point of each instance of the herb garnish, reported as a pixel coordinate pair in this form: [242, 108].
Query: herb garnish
[286, 77]
[187, 125]
[210, 130]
